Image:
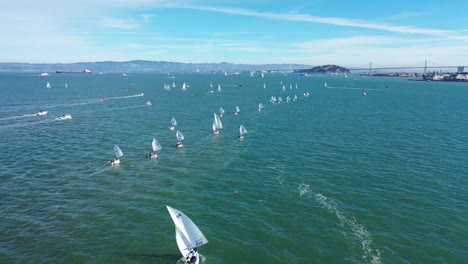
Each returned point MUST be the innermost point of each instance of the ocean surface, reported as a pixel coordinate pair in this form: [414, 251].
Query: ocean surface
[336, 177]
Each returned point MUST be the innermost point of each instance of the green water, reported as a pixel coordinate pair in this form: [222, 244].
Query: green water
[336, 177]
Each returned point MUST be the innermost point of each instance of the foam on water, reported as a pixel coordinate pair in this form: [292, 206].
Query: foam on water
[349, 223]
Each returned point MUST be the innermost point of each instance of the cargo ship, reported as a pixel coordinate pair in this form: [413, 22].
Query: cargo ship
[84, 71]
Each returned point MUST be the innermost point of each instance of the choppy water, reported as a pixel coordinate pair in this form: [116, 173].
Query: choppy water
[333, 178]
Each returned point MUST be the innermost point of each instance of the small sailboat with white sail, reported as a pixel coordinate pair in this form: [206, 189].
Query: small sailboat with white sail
[66, 85]
[173, 124]
[48, 85]
[118, 153]
[260, 107]
[184, 87]
[325, 85]
[156, 146]
[219, 88]
[236, 112]
[217, 124]
[242, 132]
[188, 236]
[211, 86]
[221, 112]
[180, 138]
[148, 103]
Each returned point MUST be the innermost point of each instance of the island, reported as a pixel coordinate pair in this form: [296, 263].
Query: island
[324, 69]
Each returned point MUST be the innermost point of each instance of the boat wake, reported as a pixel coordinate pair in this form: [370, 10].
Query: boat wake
[349, 223]
[26, 124]
[16, 117]
[124, 97]
[125, 107]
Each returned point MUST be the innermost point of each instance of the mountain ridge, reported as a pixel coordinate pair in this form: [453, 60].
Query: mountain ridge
[145, 66]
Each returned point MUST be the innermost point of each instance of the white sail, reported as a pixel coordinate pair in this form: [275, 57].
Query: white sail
[242, 130]
[173, 122]
[237, 109]
[217, 122]
[221, 111]
[188, 235]
[66, 85]
[264, 85]
[211, 85]
[48, 85]
[179, 136]
[118, 152]
[184, 86]
[173, 84]
[155, 144]
[219, 88]
[325, 85]
[260, 106]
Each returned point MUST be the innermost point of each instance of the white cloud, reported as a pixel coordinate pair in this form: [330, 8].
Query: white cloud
[118, 23]
[324, 20]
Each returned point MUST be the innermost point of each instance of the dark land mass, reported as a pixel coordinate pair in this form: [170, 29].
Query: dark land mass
[325, 69]
[145, 66]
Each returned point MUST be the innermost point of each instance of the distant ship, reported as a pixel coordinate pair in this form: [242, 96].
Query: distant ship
[85, 71]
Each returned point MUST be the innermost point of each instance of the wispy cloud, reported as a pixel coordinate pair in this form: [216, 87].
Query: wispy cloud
[409, 15]
[118, 23]
[323, 20]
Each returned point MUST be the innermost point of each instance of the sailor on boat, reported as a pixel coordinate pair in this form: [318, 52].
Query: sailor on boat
[192, 256]
[115, 162]
[179, 144]
[153, 154]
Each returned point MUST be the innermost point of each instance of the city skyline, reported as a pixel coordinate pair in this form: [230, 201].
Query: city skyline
[247, 32]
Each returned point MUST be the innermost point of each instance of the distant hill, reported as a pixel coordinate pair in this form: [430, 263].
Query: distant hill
[325, 69]
[145, 66]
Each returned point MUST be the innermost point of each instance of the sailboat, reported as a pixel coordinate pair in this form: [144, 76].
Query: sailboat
[237, 110]
[184, 87]
[156, 146]
[118, 154]
[188, 236]
[180, 138]
[48, 85]
[219, 88]
[66, 85]
[264, 86]
[221, 112]
[149, 103]
[217, 124]
[242, 131]
[260, 107]
[173, 124]
[325, 85]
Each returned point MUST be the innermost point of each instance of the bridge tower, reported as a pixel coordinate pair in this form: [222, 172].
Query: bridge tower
[370, 69]
[425, 67]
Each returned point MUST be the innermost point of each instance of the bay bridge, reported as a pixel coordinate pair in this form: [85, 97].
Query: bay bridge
[425, 67]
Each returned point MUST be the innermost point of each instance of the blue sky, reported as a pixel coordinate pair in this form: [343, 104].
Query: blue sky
[315, 32]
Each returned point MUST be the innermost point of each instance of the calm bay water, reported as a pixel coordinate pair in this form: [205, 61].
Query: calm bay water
[331, 178]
